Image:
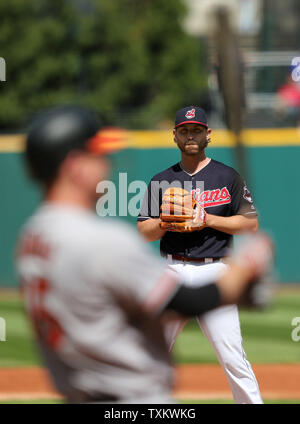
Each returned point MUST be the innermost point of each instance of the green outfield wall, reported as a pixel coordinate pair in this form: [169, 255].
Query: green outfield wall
[274, 171]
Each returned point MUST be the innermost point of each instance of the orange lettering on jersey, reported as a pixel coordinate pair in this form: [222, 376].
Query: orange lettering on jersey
[46, 326]
[32, 244]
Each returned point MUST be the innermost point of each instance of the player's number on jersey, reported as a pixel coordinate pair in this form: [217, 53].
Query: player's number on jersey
[45, 324]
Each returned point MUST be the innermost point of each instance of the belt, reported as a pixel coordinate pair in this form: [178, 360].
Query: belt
[187, 259]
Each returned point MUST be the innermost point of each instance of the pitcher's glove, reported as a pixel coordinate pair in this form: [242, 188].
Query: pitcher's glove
[180, 212]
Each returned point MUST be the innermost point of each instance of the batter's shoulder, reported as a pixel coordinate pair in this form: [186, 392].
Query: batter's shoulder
[105, 235]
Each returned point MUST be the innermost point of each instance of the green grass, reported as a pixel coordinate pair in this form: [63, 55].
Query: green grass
[19, 348]
[31, 401]
[266, 335]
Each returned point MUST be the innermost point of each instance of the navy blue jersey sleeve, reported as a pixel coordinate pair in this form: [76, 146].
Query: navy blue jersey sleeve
[241, 199]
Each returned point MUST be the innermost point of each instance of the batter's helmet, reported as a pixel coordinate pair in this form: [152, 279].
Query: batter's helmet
[57, 131]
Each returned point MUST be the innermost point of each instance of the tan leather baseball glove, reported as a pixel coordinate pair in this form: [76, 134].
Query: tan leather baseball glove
[180, 212]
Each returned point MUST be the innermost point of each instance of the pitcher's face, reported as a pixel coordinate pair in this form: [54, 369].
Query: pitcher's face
[191, 138]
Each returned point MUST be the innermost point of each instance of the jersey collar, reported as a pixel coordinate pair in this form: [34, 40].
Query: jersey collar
[191, 175]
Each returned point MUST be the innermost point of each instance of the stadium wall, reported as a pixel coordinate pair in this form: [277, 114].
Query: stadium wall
[273, 160]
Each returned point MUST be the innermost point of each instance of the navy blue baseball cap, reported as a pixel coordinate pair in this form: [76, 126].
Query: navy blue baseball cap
[191, 115]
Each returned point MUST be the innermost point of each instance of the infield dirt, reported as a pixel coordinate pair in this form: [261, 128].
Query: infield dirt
[276, 381]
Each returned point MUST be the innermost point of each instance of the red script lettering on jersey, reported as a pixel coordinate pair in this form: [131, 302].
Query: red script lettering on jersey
[210, 198]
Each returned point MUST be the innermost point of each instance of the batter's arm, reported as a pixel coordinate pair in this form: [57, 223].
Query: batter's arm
[192, 301]
[233, 225]
[150, 229]
[250, 262]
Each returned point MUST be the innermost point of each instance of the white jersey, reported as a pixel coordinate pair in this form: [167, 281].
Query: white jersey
[93, 291]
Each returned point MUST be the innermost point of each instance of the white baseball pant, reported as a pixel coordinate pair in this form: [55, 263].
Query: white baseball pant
[221, 327]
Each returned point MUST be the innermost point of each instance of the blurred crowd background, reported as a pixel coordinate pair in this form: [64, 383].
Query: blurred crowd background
[138, 61]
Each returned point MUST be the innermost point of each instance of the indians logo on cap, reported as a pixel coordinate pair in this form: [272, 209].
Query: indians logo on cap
[190, 114]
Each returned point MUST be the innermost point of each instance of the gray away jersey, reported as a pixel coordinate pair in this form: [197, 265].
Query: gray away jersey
[93, 291]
